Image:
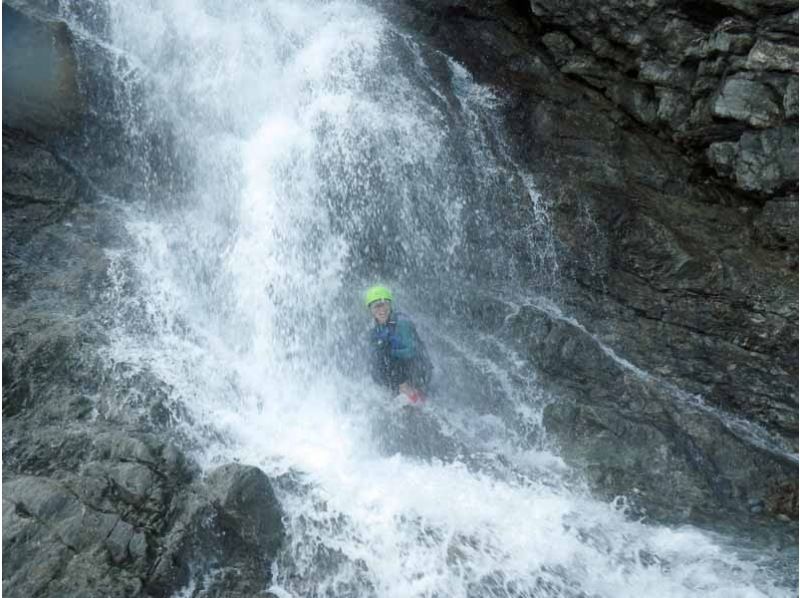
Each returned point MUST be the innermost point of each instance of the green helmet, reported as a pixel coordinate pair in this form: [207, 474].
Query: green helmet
[377, 293]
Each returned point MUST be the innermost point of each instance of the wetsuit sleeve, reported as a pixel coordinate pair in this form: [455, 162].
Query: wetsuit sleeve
[405, 346]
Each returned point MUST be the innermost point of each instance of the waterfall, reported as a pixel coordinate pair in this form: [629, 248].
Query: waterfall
[313, 150]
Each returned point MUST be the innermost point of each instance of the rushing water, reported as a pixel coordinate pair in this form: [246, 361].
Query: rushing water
[320, 150]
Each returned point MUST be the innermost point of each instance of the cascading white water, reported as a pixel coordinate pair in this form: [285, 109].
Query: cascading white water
[324, 150]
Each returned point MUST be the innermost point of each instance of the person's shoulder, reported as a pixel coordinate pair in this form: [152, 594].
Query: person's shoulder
[403, 320]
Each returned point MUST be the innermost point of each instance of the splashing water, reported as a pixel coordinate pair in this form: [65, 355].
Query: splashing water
[324, 150]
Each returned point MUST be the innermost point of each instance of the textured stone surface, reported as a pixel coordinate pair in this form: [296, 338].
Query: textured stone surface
[664, 144]
[767, 161]
[748, 101]
[769, 56]
[95, 504]
[132, 520]
[726, 63]
[790, 98]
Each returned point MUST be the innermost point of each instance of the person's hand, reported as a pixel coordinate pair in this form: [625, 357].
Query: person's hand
[382, 338]
[410, 392]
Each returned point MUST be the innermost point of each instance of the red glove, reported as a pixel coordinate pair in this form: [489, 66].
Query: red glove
[416, 396]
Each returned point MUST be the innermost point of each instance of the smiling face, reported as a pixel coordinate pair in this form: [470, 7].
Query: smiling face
[380, 311]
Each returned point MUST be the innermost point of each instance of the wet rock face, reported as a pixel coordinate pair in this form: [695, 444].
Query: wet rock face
[664, 137]
[95, 501]
[132, 518]
[40, 84]
[695, 74]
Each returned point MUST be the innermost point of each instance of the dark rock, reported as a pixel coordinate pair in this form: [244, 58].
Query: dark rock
[560, 45]
[776, 227]
[758, 7]
[767, 161]
[635, 99]
[246, 496]
[634, 421]
[683, 271]
[32, 174]
[722, 156]
[660, 73]
[674, 108]
[224, 537]
[769, 56]
[742, 99]
[680, 48]
[40, 87]
[782, 499]
[129, 517]
[790, 99]
[723, 41]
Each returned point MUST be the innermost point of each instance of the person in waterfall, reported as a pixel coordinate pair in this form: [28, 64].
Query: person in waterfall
[398, 358]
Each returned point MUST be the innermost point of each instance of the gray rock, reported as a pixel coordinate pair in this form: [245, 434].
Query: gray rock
[637, 100]
[776, 227]
[767, 160]
[50, 539]
[725, 42]
[109, 528]
[632, 423]
[709, 72]
[746, 100]
[118, 540]
[31, 174]
[560, 45]
[722, 156]
[785, 23]
[585, 65]
[245, 494]
[759, 7]
[660, 73]
[674, 108]
[137, 546]
[790, 98]
[223, 538]
[769, 56]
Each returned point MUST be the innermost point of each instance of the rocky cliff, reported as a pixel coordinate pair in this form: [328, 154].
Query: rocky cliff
[664, 137]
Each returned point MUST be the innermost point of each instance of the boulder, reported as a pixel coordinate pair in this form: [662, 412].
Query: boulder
[223, 538]
[766, 161]
[134, 518]
[769, 56]
[743, 99]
